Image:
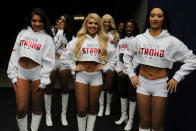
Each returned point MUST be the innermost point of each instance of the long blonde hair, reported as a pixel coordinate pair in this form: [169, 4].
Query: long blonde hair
[113, 29]
[102, 37]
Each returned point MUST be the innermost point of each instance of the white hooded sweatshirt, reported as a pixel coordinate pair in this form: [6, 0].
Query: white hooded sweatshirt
[161, 51]
[122, 46]
[89, 52]
[60, 41]
[37, 46]
[111, 47]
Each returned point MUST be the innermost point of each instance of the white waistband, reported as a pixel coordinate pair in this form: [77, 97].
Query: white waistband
[153, 81]
[31, 69]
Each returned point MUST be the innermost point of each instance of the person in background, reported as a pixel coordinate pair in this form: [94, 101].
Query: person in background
[63, 33]
[121, 26]
[30, 65]
[125, 87]
[109, 78]
[87, 56]
[156, 50]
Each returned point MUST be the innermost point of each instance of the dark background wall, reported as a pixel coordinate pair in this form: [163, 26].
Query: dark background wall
[181, 111]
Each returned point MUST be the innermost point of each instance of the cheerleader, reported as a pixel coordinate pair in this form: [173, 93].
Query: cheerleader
[155, 51]
[29, 67]
[109, 78]
[89, 50]
[125, 88]
[63, 32]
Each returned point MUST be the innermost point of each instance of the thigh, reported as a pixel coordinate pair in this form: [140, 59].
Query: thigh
[81, 93]
[49, 87]
[37, 95]
[22, 92]
[131, 91]
[94, 93]
[158, 108]
[64, 76]
[110, 76]
[123, 86]
[144, 106]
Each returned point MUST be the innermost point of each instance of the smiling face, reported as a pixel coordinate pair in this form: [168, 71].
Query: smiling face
[156, 18]
[129, 28]
[92, 27]
[107, 24]
[37, 23]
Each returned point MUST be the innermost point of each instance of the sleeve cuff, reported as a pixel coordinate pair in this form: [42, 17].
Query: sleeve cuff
[125, 72]
[14, 80]
[45, 81]
[117, 70]
[177, 78]
[73, 67]
[105, 68]
[131, 74]
[73, 72]
[43, 86]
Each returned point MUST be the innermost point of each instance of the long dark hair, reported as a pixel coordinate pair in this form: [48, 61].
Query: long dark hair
[166, 23]
[68, 29]
[44, 18]
[136, 30]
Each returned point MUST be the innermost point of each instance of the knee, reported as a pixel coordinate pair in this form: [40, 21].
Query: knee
[49, 90]
[37, 109]
[157, 126]
[82, 111]
[110, 90]
[93, 109]
[133, 98]
[21, 112]
[64, 90]
[145, 123]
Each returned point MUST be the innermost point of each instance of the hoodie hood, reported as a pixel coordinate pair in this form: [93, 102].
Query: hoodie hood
[163, 34]
[30, 29]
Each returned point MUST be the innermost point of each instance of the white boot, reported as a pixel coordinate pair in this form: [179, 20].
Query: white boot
[108, 106]
[22, 123]
[65, 98]
[140, 129]
[81, 123]
[124, 116]
[90, 122]
[48, 100]
[101, 104]
[35, 122]
[132, 106]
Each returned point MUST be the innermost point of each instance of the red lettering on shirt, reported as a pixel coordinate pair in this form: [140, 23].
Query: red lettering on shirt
[31, 44]
[151, 52]
[93, 51]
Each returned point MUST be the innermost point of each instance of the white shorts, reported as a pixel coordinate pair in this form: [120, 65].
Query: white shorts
[91, 78]
[152, 87]
[59, 66]
[29, 74]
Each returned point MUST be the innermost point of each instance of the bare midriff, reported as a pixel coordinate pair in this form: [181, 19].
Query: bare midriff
[152, 73]
[90, 66]
[27, 63]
